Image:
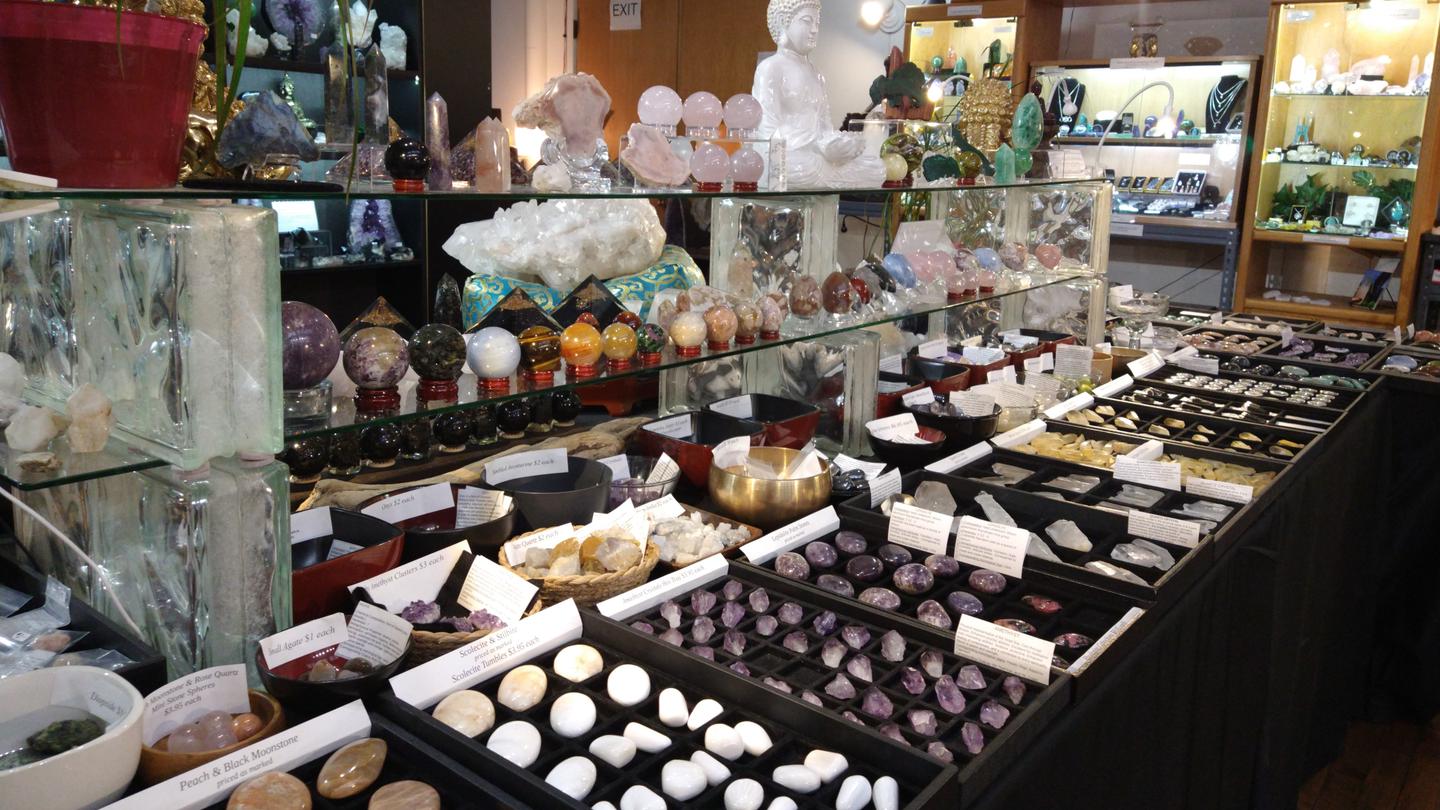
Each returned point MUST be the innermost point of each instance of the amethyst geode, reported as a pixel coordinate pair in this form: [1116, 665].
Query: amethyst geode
[311, 345]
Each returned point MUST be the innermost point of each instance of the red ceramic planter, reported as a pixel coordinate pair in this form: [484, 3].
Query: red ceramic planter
[693, 450]
[319, 586]
[788, 423]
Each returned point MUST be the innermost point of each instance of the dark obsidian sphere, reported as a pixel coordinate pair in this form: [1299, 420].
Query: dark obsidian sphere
[453, 429]
[513, 417]
[307, 457]
[345, 450]
[380, 443]
[483, 417]
[542, 413]
[407, 159]
[566, 405]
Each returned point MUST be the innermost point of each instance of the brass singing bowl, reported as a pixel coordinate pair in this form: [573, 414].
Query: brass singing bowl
[765, 502]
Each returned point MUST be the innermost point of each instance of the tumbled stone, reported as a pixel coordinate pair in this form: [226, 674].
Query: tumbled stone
[1041, 604]
[724, 741]
[876, 704]
[756, 739]
[271, 791]
[613, 749]
[406, 795]
[865, 568]
[942, 565]
[639, 797]
[860, 667]
[886, 794]
[522, 688]
[792, 566]
[828, 765]
[628, 685]
[987, 581]
[948, 695]
[715, 770]
[825, 622]
[892, 646]
[732, 614]
[894, 555]
[467, 711]
[1014, 689]
[516, 741]
[572, 714]
[821, 554]
[1018, 625]
[1073, 641]
[352, 769]
[744, 794]
[856, 636]
[850, 542]
[970, 677]
[913, 579]
[645, 738]
[90, 419]
[882, 598]
[682, 780]
[578, 662]
[796, 777]
[836, 585]
[573, 776]
[932, 614]
[964, 603]
[993, 714]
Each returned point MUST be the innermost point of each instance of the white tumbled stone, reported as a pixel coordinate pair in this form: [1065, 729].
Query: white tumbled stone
[602, 806]
[467, 711]
[826, 764]
[517, 741]
[704, 711]
[886, 794]
[575, 777]
[613, 749]
[572, 714]
[797, 778]
[645, 738]
[673, 709]
[682, 780]
[724, 742]
[783, 803]
[578, 662]
[522, 688]
[854, 793]
[744, 794]
[715, 770]
[754, 736]
[628, 684]
[640, 797]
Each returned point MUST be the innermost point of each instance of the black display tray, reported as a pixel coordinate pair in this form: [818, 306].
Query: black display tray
[1344, 332]
[795, 728]
[1086, 610]
[1172, 448]
[1235, 407]
[1105, 529]
[768, 658]
[1339, 346]
[1224, 431]
[1239, 382]
[1260, 337]
[407, 757]
[1260, 321]
[146, 674]
[1422, 356]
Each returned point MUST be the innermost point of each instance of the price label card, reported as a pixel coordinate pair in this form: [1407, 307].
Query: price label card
[549, 538]
[642, 598]
[1074, 403]
[1001, 375]
[1073, 361]
[183, 701]
[665, 468]
[1126, 229]
[1147, 365]
[528, 639]
[1151, 473]
[619, 466]
[1147, 451]
[894, 428]
[375, 635]
[965, 457]
[212, 782]
[933, 348]
[741, 407]
[1103, 643]
[339, 548]
[490, 586]
[661, 509]
[1325, 239]
[526, 465]
[990, 545]
[870, 468]
[1024, 434]
[1137, 63]
[1035, 365]
[973, 403]
[1197, 364]
[1164, 529]
[920, 396]
[1005, 650]
[883, 487]
[420, 580]
[413, 504]
[475, 506]
[893, 364]
[964, 11]
[732, 452]
[1235, 493]
[310, 524]
[676, 427]
[1114, 387]
[920, 529]
[811, 527]
[303, 639]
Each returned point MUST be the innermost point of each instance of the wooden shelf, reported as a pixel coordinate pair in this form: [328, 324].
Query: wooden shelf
[1339, 312]
[1113, 140]
[1176, 61]
[1174, 222]
[1331, 240]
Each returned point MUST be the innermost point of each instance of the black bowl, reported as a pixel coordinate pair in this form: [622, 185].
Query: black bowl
[543, 501]
[305, 699]
[431, 532]
[911, 456]
[960, 431]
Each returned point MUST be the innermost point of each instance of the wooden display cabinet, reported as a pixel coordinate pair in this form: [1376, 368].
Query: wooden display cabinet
[1325, 261]
[1028, 29]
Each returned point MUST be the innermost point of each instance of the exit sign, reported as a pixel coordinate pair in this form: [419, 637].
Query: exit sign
[625, 16]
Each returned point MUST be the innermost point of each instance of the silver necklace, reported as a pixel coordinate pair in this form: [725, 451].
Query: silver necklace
[1068, 95]
[1221, 100]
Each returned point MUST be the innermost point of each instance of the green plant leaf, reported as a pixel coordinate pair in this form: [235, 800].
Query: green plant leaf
[242, 41]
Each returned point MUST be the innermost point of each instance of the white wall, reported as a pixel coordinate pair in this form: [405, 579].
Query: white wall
[530, 42]
[850, 57]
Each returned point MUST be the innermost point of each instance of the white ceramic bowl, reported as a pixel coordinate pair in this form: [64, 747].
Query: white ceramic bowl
[92, 775]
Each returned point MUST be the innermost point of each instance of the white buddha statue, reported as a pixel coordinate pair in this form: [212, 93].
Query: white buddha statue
[792, 93]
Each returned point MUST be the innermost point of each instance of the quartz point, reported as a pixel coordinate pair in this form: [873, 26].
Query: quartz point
[1039, 550]
[912, 681]
[706, 652]
[993, 714]
[938, 750]
[702, 629]
[892, 730]
[732, 590]
[923, 721]
[759, 600]
[791, 613]
[936, 497]
[767, 625]
[811, 698]
[739, 668]
[702, 602]
[1115, 572]
[1068, 535]
[731, 614]
[970, 677]
[860, 667]
[1014, 689]
[994, 512]
[1135, 555]
[853, 717]
[876, 704]
[840, 688]
[825, 622]
[832, 652]
[948, 695]
[734, 642]
[932, 662]
[1167, 560]
[857, 636]
[437, 141]
[973, 737]
[492, 157]
[892, 646]
[377, 98]
[644, 627]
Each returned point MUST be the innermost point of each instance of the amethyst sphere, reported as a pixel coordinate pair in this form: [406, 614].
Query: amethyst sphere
[376, 358]
[311, 345]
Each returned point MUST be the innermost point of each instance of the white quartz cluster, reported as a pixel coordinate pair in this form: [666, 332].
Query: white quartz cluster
[561, 242]
[687, 538]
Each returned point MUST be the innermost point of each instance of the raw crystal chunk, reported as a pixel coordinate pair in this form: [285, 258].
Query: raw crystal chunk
[702, 630]
[932, 662]
[912, 681]
[1010, 473]
[936, 497]
[704, 651]
[1115, 572]
[994, 512]
[825, 622]
[673, 636]
[932, 614]
[882, 598]
[792, 566]
[796, 642]
[90, 419]
[811, 698]
[970, 677]
[1014, 689]
[649, 157]
[855, 635]
[571, 107]
[973, 737]
[732, 614]
[32, 428]
[732, 590]
[987, 581]
[766, 625]
[644, 627]
[859, 666]
[964, 602]
[777, 684]
[702, 602]
[1167, 560]
[836, 584]
[267, 126]
[876, 704]
[993, 714]
[821, 554]
[852, 717]
[892, 646]
[739, 668]
[759, 600]
[1067, 535]
[790, 613]
[892, 730]
[840, 688]
[923, 721]
[948, 695]
[850, 542]
[1131, 495]
[670, 612]
[734, 642]
[1038, 549]
[938, 750]
[1135, 555]
[894, 555]
[832, 652]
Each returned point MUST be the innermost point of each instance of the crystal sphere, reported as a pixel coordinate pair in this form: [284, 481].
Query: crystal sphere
[650, 338]
[710, 164]
[743, 112]
[660, 106]
[619, 341]
[747, 320]
[746, 166]
[407, 159]
[896, 168]
[376, 358]
[540, 349]
[437, 352]
[688, 330]
[311, 345]
[494, 353]
[580, 344]
[703, 110]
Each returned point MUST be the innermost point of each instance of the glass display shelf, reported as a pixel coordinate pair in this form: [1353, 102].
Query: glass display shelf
[516, 194]
[1123, 140]
[115, 459]
[344, 416]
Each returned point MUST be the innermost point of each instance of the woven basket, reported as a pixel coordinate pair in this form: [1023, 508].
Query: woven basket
[587, 589]
[426, 646]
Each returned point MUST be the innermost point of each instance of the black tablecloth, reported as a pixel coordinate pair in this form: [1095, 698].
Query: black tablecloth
[1245, 685]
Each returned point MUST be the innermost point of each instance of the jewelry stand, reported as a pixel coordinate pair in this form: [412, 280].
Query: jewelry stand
[1069, 94]
[1222, 102]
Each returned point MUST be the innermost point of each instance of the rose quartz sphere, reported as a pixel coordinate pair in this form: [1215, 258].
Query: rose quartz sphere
[742, 112]
[746, 166]
[703, 110]
[660, 106]
[710, 164]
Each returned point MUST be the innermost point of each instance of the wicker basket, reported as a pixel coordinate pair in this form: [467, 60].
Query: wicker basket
[587, 589]
[426, 645]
